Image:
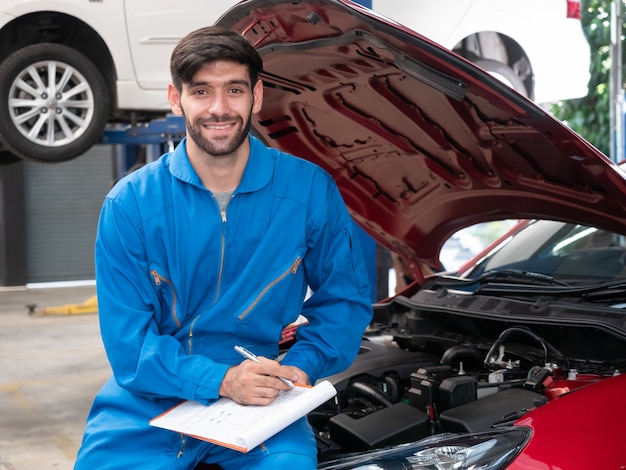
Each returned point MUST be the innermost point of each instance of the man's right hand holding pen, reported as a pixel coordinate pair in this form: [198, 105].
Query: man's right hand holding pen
[259, 380]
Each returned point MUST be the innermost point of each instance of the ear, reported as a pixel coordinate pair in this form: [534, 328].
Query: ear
[174, 98]
[257, 93]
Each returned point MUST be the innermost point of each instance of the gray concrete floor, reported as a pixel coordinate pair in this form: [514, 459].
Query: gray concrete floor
[51, 367]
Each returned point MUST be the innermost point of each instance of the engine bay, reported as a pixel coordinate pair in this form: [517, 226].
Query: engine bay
[427, 368]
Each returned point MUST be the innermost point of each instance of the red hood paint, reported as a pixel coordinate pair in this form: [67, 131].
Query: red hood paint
[421, 142]
[585, 419]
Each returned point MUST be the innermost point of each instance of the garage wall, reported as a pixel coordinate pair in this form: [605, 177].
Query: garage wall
[62, 206]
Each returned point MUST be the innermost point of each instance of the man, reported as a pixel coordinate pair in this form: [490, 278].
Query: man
[216, 245]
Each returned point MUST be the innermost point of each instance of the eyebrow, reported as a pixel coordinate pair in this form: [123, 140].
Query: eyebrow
[238, 81]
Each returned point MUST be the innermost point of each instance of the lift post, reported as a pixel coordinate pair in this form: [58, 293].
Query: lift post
[137, 144]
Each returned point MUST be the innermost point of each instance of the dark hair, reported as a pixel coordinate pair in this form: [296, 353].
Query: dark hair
[206, 45]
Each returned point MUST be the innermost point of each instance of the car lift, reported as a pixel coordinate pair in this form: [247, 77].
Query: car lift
[138, 144]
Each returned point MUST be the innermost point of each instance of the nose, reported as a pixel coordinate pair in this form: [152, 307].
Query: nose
[219, 104]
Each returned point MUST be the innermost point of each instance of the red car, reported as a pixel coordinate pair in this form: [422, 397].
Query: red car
[516, 361]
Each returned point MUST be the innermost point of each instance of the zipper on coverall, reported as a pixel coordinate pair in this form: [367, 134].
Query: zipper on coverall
[158, 280]
[219, 278]
[292, 269]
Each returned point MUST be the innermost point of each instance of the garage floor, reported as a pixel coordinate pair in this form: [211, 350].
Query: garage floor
[51, 366]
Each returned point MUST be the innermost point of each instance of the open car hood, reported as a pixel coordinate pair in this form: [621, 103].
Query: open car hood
[420, 141]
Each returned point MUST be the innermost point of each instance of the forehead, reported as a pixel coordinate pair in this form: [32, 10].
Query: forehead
[220, 72]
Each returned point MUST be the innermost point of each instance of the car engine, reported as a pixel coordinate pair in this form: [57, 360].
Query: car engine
[427, 367]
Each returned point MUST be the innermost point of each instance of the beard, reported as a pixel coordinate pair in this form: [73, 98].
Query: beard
[222, 146]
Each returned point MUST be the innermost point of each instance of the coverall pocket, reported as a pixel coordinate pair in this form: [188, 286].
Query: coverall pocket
[169, 320]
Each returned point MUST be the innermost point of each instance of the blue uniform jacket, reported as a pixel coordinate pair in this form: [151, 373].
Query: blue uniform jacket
[180, 283]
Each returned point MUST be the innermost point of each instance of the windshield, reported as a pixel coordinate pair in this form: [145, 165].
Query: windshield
[568, 252]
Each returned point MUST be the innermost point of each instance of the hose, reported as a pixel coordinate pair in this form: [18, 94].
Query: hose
[528, 332]
[371, 392]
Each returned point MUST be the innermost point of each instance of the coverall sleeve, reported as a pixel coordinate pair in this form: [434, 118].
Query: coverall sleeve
[340, 308]
[143, 360]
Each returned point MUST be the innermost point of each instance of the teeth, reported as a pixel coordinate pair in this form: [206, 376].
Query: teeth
[215, 126]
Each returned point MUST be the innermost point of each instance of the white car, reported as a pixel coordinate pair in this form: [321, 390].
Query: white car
[536, 46]
[67, 67]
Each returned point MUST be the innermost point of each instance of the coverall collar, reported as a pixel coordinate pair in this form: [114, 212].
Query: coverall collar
[257, 174]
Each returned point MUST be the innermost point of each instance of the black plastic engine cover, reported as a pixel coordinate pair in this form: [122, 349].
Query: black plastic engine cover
[480, 415]
[395, 424]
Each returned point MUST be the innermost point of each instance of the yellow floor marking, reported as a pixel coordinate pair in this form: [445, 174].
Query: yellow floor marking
[66, 445]
[18, 399]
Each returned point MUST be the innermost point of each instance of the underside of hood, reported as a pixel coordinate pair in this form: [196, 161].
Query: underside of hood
[421, 142]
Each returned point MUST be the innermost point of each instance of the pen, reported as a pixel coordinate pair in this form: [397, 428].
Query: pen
[249, 355]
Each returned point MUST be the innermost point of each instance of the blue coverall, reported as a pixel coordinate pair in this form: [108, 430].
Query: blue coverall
[180, 283]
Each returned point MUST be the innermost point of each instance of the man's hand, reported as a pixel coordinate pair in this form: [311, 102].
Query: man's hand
[257, 383]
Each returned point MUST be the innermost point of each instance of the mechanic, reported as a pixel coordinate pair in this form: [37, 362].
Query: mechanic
[214, 245]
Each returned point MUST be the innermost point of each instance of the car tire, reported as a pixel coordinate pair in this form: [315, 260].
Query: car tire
[51, 127]
[504, 73]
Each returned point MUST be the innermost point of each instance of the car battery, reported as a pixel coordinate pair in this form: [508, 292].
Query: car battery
[424, 391]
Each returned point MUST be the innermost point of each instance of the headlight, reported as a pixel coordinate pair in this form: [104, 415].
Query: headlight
[490, 450]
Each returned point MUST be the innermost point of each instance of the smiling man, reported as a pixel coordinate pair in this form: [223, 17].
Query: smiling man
[216, 245]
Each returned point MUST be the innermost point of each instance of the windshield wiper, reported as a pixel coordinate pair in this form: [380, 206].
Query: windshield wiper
[590, 292]
[518, 276]
[502, 276]
[519, 282]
